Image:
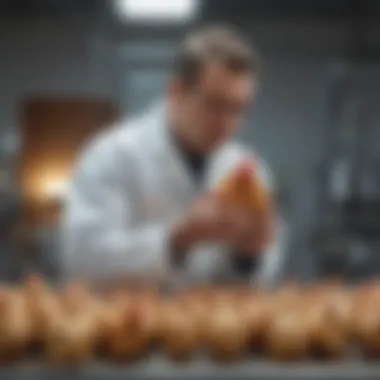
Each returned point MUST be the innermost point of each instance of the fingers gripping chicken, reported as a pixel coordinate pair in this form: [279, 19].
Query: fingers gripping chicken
[244, 188]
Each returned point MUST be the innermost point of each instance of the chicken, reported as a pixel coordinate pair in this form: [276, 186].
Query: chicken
[109, 312]
[255, 309]
[43, 307]
[16, 327]
[226, 333]
[245, 189]
[327, 312]
[71, 335]
[286, 336]
[71, 340]
[180, 335]
[365, 320]
[131, 335]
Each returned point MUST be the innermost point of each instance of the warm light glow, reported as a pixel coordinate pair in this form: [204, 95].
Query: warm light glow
[55, 189]
[165, 10]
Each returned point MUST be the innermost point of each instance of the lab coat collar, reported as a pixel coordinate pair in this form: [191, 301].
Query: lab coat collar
[167, 149]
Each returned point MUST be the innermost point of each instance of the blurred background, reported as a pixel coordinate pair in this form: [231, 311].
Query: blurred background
[69, 68]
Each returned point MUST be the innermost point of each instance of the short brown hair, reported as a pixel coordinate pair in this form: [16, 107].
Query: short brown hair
[217, 43]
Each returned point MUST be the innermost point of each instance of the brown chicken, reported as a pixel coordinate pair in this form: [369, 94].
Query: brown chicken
[16, 327]
[255, 311]
[131, 336]
[72, 334]
[286, 336]
[244, 188]
[365, 321]
[43, 307]
[71, 340]
[196, 304]
[327, 314]
[225, 333]
[109, 312]
[289, 294]
[180, 330]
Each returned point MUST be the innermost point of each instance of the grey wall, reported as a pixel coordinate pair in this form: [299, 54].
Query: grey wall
[288, 124]
[287, 129]
[67, 56]
[79, 56]
[56, 57]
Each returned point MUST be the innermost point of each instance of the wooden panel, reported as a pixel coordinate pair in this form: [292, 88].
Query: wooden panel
[54, 131]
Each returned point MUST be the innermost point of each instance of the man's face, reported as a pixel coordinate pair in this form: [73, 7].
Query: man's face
[212, 110]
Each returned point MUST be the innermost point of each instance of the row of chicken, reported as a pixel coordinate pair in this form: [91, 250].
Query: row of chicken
[73, 326]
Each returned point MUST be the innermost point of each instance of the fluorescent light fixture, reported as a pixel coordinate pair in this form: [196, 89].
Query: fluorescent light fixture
[157, 10]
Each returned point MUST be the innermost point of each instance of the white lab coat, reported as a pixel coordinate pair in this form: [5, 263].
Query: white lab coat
[128, 188]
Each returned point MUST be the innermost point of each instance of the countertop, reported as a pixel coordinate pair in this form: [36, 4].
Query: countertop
[161, 368]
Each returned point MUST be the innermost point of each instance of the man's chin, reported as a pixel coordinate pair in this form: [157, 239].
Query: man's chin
[209, 147]
[216, 145]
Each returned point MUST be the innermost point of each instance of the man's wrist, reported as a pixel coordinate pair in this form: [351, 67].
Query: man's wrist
[180, 241]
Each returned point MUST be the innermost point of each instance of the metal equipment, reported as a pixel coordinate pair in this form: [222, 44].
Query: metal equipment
[349, 220]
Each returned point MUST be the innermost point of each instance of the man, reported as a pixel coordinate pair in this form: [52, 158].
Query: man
[143, 201]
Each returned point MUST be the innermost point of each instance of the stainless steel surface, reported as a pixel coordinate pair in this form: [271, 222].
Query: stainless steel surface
[159, 368]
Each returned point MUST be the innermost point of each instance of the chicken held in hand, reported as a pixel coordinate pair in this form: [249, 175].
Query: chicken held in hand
[244, 188]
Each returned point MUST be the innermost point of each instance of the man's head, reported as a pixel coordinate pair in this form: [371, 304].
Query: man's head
[213, 84]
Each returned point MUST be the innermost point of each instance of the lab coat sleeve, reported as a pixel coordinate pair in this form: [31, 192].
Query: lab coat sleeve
[98, 241]
[272, 262]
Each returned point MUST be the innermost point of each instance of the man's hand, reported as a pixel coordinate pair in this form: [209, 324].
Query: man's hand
[244, 189]
[212, 219]
[256, 237]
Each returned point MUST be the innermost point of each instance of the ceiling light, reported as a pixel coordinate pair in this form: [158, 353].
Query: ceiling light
[157, 10]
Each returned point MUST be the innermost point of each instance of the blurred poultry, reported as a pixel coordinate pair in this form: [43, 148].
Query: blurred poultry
[180, 334]
[196, 303]
[286, 337]
[76, 296]
[255, 309]
[151, 303]
[244, 188]
[16, 328]
[222, 295]
[71, 340]
[327, 312]
[225, 333]
[290, 324]
[43, 307]
[365, 321]
[71, 337]
[131, 336]
[290, 293]
[109, 312]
